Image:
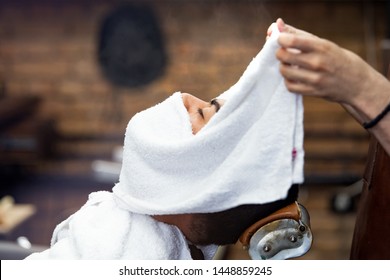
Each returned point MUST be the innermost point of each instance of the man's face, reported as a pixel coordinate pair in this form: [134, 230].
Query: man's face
[200, 111]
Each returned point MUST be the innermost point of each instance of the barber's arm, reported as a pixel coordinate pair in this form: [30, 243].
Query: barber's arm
[317, 67]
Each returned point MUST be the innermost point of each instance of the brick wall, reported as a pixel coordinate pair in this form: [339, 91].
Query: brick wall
[48, 48]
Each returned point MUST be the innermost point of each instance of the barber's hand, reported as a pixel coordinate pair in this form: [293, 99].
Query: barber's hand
[283, 27]
[318, 67]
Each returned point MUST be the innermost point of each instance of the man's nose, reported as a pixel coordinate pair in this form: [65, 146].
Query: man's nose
[193, 103]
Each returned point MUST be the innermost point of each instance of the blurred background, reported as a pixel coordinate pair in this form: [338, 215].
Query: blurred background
[73, 72]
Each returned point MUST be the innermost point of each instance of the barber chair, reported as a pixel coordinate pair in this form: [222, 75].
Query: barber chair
[282, 235]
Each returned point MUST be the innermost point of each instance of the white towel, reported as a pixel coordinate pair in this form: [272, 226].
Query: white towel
[102, 230]
[250, 152]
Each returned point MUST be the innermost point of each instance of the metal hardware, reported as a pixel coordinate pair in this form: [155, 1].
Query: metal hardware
[282, 239]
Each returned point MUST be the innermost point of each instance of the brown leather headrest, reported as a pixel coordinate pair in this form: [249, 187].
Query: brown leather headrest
[289, 212]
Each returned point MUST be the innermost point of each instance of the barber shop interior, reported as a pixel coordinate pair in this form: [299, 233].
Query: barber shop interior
[73, 73]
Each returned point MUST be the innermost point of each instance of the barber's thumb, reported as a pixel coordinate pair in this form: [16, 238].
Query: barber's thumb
[285, 39]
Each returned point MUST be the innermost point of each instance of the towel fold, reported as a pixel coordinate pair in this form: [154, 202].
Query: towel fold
[250, 152]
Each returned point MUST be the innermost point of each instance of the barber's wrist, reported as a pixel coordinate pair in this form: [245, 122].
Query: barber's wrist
[370, 103]
[382, 115]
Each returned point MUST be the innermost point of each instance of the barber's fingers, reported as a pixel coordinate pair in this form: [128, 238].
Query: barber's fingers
[269, 31]
[302, 42]
[301, 75]
[299, 88]
[282, 27]
[292, 30]
[286, 28]
[307, 60]
[300, 80]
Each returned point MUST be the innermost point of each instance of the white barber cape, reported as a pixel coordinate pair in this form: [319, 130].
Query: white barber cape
[102, 230]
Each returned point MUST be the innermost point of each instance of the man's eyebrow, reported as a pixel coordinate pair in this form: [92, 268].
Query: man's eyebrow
[216, 104]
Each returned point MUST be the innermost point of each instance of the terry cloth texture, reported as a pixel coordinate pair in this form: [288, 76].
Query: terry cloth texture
[250, 152]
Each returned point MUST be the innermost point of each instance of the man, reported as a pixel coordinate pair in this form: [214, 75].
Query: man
[195, 174]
